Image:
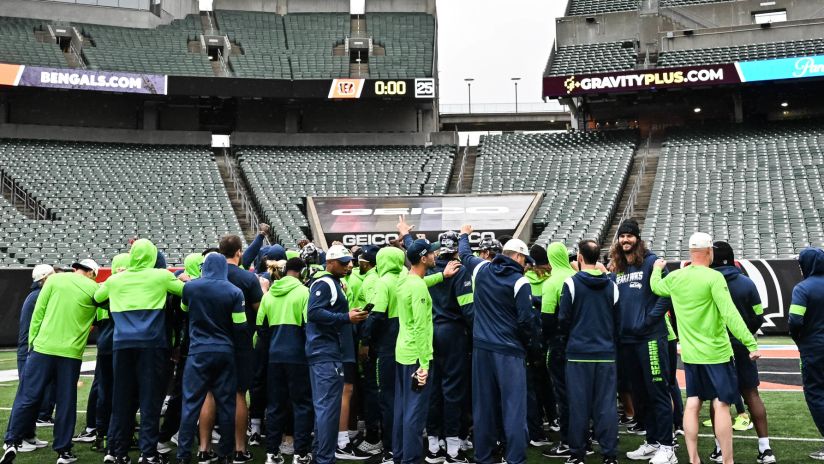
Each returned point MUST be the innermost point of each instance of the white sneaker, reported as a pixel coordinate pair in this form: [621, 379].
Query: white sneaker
[664, 455]
[26, 447]
[371, 448]
[164, 447]
[645, 452]
[287, 448]
[272, 458]
[215, 437]
[174, 438]
[108, 458]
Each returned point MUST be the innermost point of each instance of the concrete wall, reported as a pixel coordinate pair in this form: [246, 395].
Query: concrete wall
[743, 35]
[57, 11]
[738, 13]
[398, 6]
[611, 27]
[22, 131]
[308, 140]
[317, 6]
[269, 6]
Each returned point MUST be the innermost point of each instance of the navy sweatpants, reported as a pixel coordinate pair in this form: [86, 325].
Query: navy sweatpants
[41, 370]
[327, 391]
[594, 398]
[289, 382]
[675, 390]
[498, 379]
[557, 374]
[411, 409]
[448, 378]
[46, 406]
[259, 389]
[648, 364]
[137, 372]
[369, 396]
[104, 376]
[205, 372]
[812, 375]
[386, 391]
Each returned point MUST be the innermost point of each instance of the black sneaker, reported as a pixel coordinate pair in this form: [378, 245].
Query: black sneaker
[48, 422]
[540, 442]
[9, 453]
[626, 420]
[715, 456]
[351, 453]
[433, 458]
[242, 458]
[461, 457]
[555, 426]
[767, 457]
[254, 439]
[387, 458]
[610, 461]
[636, 429]
[302, 458]
[206, 457]
[123, 460]
[155, 459]
[574, 460]
[99, 444]
[85, 436]
[66, 457]
[559, 452]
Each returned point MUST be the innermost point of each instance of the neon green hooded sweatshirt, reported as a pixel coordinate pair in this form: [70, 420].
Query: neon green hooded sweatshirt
[551, 292]
[137, 297]
[192, 264]
[415, 322]
[63, 315]
[284, 307]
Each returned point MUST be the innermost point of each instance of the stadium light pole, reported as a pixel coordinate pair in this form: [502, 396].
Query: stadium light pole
[515, 80]
[469, 81]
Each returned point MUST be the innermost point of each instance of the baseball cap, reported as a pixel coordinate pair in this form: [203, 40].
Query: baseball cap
[369, 253]
[518, 245]
[273, 253]
[700, 240]
[40, 272]
[420, 248]
[87, 264]
[338, 253]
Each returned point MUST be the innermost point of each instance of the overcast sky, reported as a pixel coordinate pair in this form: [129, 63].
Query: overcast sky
[493, 41]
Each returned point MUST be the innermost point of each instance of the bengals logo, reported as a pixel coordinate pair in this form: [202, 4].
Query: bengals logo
[346, 88]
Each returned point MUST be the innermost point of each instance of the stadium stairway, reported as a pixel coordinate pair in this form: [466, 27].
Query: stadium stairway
[236, 189]
[642, 198]
[461, 179]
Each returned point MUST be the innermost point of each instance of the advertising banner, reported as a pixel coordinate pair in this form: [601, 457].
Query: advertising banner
[82, 79]
[782, 68]
[362, 221]
[636, 80]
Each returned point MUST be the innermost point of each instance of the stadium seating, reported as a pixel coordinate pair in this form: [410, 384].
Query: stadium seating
[408, 40]
[20, 47]
[163, 50]
[759, 188]
[281, 177]
[585, 7]
[262, 39]
[311, 38]
[752, 52]
[581, 175]
[590, 58]
[103, 194]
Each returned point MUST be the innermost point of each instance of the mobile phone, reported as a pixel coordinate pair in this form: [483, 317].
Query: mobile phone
[368, 307]
[416, 385]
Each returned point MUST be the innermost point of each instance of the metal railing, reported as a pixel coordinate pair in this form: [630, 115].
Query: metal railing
[629, 210]
[223, 66]
[249, 211]
[22, 200]
[506, 108]
[76, 52]
[459, 187]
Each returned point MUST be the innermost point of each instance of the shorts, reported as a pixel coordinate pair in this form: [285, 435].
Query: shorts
[746, 369]
[712, 381]
[245, 367]
[350, 373]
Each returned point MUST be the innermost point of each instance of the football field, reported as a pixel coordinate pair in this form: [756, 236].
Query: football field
[793, 434]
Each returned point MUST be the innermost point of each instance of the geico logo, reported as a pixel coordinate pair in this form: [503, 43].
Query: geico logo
[419, 211]
[368, 239]
[476, 237]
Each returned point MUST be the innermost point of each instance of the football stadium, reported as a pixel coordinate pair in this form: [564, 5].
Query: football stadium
[271, 231]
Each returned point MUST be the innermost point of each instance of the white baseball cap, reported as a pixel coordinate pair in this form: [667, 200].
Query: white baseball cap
[338, 253]
[519, 246]
[700, 240]
[41, 271]
[87, 264]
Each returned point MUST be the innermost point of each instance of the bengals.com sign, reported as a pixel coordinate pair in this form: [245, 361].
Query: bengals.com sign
[346, 88]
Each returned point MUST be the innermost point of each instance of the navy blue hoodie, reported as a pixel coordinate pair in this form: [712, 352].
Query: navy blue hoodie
[468, 259]
[217, 318]
[26, 312]
[326, 319]
[504, 320]
[452, 298]
[807, 309]
[588, 313]
[745, 295]
[641, 311]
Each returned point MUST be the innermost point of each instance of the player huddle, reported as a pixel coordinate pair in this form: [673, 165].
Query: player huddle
[436, 349]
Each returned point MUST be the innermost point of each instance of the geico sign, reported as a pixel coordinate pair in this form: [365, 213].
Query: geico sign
[420, 211]
[385, 239]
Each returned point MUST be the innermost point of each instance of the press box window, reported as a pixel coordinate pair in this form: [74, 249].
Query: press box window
[765, 17]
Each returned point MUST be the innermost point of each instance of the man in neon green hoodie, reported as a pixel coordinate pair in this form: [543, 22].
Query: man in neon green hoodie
[59, 329]
[554, 341]
[137, 298]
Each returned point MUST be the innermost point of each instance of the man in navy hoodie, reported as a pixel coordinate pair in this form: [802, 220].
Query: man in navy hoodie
[807, 329]
[504, 331]
[643, 339]
[748, 302]
[588, 313]
[327, 316]
[217, 318]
